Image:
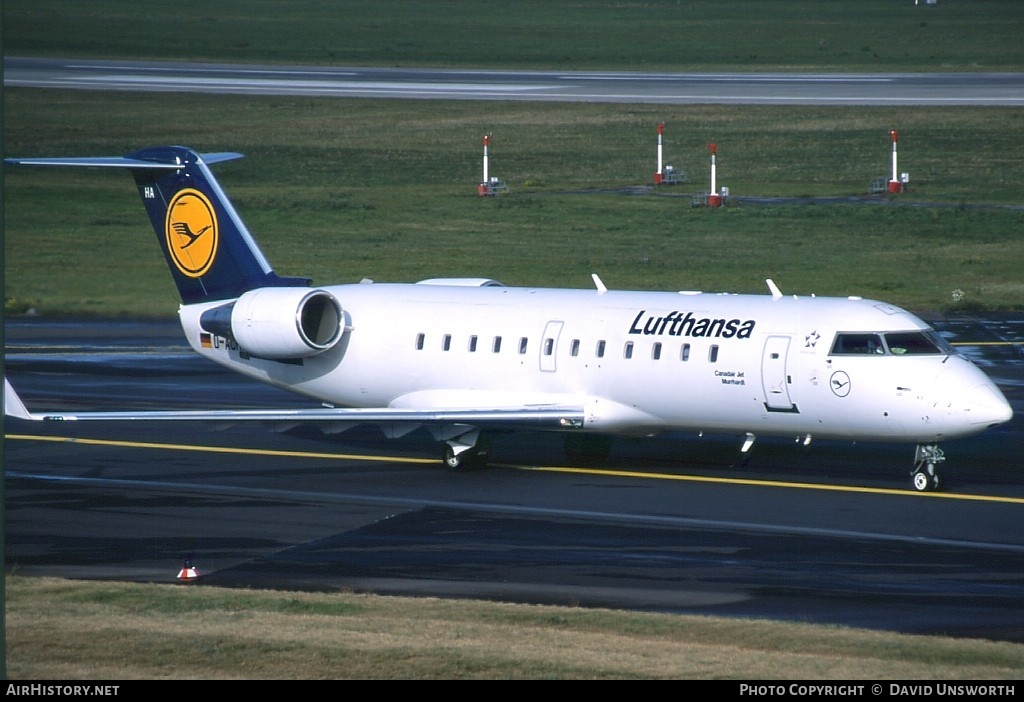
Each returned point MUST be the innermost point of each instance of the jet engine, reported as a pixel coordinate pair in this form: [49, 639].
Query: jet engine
[279, 323]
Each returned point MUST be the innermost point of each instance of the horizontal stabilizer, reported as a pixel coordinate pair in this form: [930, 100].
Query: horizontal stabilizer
[121, 161]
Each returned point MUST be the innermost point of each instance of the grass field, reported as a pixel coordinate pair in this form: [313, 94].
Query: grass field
[744, 35]
[329, 192]
[68, 630]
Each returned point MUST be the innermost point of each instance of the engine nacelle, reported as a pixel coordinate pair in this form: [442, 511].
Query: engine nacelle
[279, 323]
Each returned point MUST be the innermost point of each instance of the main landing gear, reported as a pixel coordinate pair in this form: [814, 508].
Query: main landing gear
[469, 449]
[453, 460]
[926, 457]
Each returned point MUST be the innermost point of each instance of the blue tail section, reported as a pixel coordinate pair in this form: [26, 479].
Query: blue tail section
[211, 254]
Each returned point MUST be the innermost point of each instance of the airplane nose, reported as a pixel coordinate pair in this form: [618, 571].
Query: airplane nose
[985, 405]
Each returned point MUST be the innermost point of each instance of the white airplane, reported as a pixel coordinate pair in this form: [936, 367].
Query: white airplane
[463, 357]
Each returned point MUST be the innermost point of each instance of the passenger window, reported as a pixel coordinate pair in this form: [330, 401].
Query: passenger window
[472, 343]
[496, 347]
[627, 352]
[656, 350]
[419, 342]
[574, 349]
[549, 347]
[713, 354]
[446, 342]
[600, 349]
[684, 353]
[522, 345]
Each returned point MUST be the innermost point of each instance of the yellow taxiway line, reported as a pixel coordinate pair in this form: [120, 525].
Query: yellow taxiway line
[541, 469]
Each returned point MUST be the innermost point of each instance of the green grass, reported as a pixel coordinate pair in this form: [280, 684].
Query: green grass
[346, 189]
[743, 35]
[71, 630]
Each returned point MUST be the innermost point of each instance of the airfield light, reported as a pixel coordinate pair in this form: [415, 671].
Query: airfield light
[188, 571]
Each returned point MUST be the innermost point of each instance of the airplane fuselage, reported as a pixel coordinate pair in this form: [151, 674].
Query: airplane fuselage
[638, 362]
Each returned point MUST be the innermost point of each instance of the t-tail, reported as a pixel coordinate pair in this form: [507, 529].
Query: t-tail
[211, 254]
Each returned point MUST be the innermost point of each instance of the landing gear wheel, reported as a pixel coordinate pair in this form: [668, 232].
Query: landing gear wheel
[922, 483]
[925, 482]
[926, 478]
[469, 456]
[452, 460]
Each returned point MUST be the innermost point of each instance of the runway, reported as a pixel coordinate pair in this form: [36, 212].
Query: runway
[829, 534]
[974, 89]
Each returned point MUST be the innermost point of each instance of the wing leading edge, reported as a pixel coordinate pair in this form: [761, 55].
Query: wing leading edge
[550, 416]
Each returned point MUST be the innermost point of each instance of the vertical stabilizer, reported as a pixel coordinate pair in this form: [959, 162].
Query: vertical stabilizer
[209, 251]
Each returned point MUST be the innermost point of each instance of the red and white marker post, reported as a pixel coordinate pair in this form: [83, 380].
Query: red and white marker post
[482, 188]
[659, 176]
[895, 186]
[714, 199]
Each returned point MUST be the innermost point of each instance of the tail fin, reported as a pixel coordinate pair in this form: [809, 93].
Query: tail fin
[211, 254]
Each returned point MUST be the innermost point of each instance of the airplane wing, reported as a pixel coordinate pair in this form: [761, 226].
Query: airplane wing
[542, 415]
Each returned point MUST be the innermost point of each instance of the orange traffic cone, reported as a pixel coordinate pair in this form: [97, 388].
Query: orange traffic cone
[188, 571]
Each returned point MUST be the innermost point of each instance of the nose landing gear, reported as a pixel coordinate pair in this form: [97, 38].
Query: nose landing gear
[926, 458]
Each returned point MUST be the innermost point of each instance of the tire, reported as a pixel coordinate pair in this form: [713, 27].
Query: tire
[452, 460]
[923, 482]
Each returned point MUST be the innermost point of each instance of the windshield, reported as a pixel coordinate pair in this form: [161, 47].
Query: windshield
[890, 343]
[917, 342]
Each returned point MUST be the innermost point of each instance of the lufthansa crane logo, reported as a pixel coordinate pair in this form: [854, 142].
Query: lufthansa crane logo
[191, 232]
[840, 383]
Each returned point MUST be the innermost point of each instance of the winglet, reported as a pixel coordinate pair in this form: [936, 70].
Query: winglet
[776, 293]
[601, 289]
[13, 406]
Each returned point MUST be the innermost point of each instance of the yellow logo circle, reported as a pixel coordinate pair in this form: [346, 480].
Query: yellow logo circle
[191, 232]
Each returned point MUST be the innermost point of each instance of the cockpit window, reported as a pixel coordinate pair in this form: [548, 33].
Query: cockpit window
[855, 343]
[894, 343]
[917, 342]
